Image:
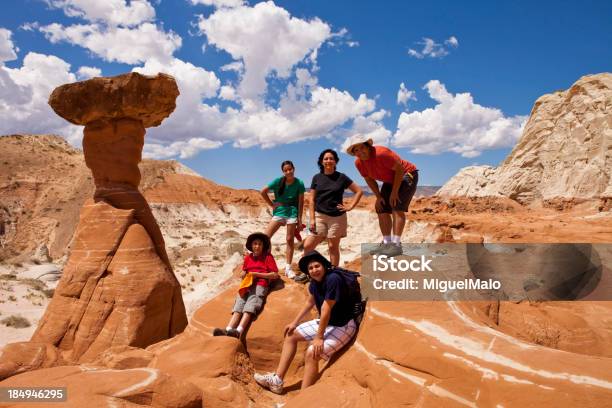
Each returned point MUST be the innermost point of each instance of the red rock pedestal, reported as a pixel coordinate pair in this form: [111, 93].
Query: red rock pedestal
[117, 288]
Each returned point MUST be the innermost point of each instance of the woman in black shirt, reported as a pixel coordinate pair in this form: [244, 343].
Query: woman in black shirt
[327, 210]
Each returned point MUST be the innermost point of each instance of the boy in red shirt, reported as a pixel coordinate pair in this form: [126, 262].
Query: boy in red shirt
[399, 178]
[258, 269]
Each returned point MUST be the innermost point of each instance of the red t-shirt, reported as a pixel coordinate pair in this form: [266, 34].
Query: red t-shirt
[261, 264]
[380, 165]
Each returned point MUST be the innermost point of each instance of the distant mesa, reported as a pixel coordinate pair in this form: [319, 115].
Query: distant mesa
[565, 151]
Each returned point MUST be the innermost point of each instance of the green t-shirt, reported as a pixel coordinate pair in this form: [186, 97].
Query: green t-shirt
[289, 198]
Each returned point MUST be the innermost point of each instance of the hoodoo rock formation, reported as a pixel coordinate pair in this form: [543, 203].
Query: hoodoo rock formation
[118, 287]
[565, 151]
[118, 296]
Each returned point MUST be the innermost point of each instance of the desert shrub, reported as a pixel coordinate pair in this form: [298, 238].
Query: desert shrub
[35, 284]
[17, 322]
[48, 293]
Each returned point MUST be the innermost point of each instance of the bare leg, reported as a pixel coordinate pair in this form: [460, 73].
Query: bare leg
[399, 221]
[287, 354]
[334, 251]
[290, 242]
[311, 368]
[246, 318]
[311, 242]
[234, 320]
[273, 226]
[384, 221]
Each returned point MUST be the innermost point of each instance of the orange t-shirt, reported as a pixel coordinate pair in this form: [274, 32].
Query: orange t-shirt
[380, 165]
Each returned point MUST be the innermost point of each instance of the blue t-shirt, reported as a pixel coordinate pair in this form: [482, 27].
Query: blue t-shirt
[333, 287]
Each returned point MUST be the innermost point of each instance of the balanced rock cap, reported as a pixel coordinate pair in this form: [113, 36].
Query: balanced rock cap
[150, 99]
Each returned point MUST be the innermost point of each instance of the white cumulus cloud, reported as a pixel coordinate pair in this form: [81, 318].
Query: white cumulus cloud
[456, 124]
[368, 127]
[24, 93]
[8, 51]
[86, 72]
[404, 95]
[266, 38]
[127, 45]
[265, 41]
[305, 111]
[432, 49]
[112, 12]
[219, 3]
[452, 41]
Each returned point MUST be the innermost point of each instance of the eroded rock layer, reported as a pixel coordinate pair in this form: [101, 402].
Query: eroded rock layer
[565, 150]
[117, 288]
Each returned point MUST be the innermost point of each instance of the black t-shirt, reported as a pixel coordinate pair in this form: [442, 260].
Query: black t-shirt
[333, 287]
[330, 190]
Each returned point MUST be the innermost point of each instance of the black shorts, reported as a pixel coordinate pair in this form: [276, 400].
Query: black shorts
[406, 192]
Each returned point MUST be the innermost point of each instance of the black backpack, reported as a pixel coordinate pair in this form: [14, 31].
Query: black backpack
[354, 291]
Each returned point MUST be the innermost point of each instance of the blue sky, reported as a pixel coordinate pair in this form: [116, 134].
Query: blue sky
[488, 64]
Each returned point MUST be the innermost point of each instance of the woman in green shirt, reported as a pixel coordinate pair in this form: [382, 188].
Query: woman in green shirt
[286, 208]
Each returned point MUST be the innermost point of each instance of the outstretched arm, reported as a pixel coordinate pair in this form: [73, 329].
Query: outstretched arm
[380, 201]
[317, 342]
[307, 307]
[266, 197]
[397, 180]
[313, 221]
[358, 194]
[300, 210]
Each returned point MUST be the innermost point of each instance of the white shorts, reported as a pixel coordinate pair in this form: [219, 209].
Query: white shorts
[284, 220]
[334, 339]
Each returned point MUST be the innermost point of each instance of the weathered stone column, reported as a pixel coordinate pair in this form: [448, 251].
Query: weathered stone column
[118, 287]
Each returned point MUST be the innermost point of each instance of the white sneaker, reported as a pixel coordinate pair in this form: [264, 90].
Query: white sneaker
[270, 381]
[289, 272]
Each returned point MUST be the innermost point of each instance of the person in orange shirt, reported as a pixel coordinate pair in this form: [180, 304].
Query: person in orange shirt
[399, 181]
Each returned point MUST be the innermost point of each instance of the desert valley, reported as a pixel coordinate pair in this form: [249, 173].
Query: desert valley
[117, 289]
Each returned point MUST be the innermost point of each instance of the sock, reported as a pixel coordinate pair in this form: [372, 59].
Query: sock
[396, 239]
[277, 380]
[228, 328]
[239, 329]
[386, 239]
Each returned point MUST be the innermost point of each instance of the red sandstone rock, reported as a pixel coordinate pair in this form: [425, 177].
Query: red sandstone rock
[115, 290]
[124, 357]
[25, 356]
[447, 354]
[118, 288]
[134, 96]
[101, 387]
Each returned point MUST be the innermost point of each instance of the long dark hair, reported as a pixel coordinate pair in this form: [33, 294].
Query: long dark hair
[320, 161]
[283, 182]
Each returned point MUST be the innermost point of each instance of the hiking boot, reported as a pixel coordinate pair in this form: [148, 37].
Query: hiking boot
[219, 332]
[270, 381]
[378, 249]
[302, 278]
[392, 250]
[233, 333]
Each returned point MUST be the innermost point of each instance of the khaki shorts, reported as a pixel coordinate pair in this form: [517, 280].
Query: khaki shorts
[331, 227]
